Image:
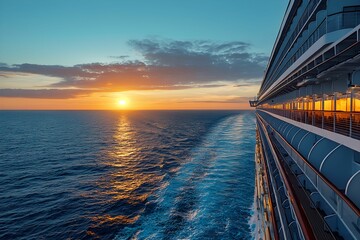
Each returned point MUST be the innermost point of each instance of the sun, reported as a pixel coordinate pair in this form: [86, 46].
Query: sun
[122, 102]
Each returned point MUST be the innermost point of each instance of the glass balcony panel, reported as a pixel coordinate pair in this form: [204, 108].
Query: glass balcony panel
[340, 119]
[349, 20]
[333, 23]
[318, 119]
[342, 124]
[329, 121]
[301, 105]
[343, 104]
[318, 105]
[310, 105]
[356, 105]
[309, 116]
[329, 105]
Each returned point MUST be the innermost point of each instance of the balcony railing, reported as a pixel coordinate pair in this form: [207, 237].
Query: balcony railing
[343, 20]
[344, 208]
[332, 23]
[283, 192]
[345, 123]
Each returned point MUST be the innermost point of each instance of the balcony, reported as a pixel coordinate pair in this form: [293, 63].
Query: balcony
[332, 185]
[345, 123]
[345, 49]
[253, 103]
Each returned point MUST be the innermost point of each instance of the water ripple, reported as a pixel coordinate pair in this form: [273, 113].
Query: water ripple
[151, 174]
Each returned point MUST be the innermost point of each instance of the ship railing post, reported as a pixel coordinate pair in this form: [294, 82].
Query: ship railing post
[303, 111]
[351, 110]
[312, 117]
[322, 111]
[334, 113]
[313, 111]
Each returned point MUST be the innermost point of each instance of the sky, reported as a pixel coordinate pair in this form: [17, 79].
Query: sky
[126, 54]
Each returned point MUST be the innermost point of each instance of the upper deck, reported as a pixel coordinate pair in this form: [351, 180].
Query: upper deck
[308, 31]
[308, 118]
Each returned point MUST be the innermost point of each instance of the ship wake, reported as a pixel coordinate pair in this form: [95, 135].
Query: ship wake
[211, 195]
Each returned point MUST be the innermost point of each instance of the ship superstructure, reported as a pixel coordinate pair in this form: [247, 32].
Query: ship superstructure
[308, 125]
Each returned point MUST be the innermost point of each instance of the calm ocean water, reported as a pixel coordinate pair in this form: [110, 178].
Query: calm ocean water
[126, 175]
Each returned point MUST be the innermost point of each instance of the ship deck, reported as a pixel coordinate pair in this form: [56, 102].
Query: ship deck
[314, 217]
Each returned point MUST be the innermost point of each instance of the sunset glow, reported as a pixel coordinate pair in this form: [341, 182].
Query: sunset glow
[122, 102]
[158, 65]
[120, 118]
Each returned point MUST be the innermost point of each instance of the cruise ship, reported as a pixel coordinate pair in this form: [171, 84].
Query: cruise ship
[308, 125]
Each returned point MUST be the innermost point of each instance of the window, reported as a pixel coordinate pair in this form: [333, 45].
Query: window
[356, 105]
[328, 104]
[351, 16]
[318, 104]
[343, 104]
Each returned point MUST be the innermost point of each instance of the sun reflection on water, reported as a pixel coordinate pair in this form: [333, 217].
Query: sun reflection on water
[127, 181]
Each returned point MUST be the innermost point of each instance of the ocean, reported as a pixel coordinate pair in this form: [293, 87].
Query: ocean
[126, 174]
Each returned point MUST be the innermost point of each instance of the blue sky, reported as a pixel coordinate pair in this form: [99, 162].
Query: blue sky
[43, 33]
[83, 31]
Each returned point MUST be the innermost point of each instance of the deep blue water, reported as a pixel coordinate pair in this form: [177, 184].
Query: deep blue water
[126, 175]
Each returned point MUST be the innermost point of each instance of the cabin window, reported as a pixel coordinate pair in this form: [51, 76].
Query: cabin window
[310, 105]
[300, 105]
[343, 104]
[328, 105]
[356, 105]
[318, 104]
[351, 16]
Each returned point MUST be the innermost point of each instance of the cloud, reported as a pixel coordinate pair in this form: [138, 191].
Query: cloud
[43, 93]
[47, 70]
[165, 64]
[203, 60]
[122, 57]
[248, 84]
[231, 100]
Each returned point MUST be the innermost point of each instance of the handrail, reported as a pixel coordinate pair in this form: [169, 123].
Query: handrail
[341, 122]
[273, 220]
[317, 211]
[295, 37]
[301, 110]
[293, 73]
[330, 184]
[272, 185]
[280, 66]
[299, 212]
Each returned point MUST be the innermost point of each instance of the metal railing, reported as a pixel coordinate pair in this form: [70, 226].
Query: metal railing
[259, 153]
[304, 228]
[343, 20]
[345, 209]
[345, 123]
[338, 21]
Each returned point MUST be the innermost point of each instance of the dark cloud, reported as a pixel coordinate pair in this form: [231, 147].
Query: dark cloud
[204, 61]
[63, 72]
[165, 65]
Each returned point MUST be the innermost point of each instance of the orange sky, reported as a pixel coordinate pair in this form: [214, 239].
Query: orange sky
[171, 75]
[213, 98]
